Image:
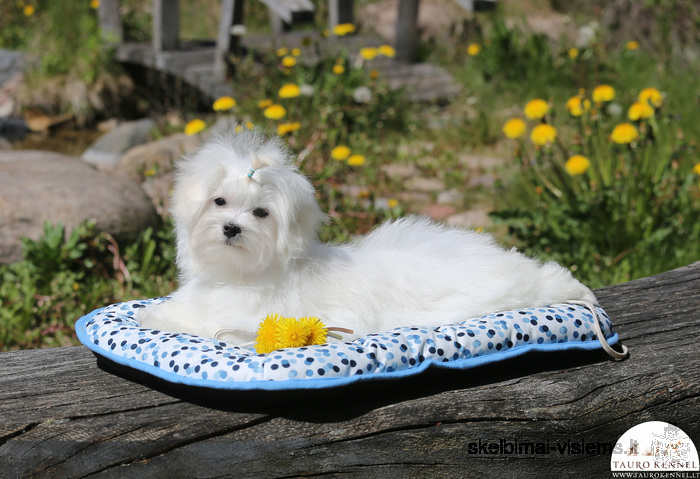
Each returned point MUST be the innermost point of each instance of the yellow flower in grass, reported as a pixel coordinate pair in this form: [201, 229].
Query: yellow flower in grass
[28, 11]
[696, 169]
[633, 45]
[640, 111]
[603, 94]
[392, 203]
[536, 109]
[94, 4]
[577, 165]
[266, 340]
[282, 51]
[291, 333]
[356, 160]
[577, 106]
[284, 128]
[387, 51]
[288, 61]
[543, 134]
[274, 112]
[195, 126]
[340, 153]
[374, 74]
[473, 49]
[514, 128]
[343, 29]
[624, 133]
[651, 96]
[317, 332]
[338, 69]
[369, 53]
[573, 53]
[262, 104]
[224, 103]
[295, 52]
[290, 90]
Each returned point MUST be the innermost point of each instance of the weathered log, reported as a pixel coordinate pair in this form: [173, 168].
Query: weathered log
[63, 416]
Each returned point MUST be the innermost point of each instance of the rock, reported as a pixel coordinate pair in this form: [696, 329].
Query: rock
[151, 165]
[450, 197]
[426, 185]
[438, 212]
[39, 186]
[470, 218]
[399, 171]
[109, 148]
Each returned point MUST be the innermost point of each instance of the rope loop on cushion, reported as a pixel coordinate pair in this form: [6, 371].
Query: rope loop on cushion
[601, 337]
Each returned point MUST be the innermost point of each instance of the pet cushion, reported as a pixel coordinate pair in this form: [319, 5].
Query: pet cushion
[114, 333]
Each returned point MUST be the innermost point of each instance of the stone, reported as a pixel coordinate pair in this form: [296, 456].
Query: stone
[151, 165]
[470, 218]
[39, 186]
[399, 171]
[450, 197]
[425, 185]
[109, 148]
[438, 212]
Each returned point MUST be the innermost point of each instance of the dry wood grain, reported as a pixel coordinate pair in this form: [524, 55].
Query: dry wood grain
[62, 416]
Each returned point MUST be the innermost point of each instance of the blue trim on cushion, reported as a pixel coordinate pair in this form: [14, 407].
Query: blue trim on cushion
[98, 329]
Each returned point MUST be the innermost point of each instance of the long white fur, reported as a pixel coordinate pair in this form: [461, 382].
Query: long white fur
[407, 272]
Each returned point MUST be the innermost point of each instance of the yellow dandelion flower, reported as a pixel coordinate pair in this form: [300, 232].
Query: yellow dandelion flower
[640, 111]
[249, 125]
[340, 153]
[295, 52]
[539, 190]
[282, 51]
[577, 106]
[696, 169]
[284, 128]
[374, 74]
[543, 134]
[28, 11]
[266, 338]
[94, 4]
[603, 94]
[577, 165]
[369, 53]
[356, 160]
[624, 133]
[224, 103]
[292, 333]
[338, 69]
[514, 128]
[262, 104]
[195, 126]
[343, 29]
[632, 45]
[387, 51]
[290, 90]
[150, 172]
[536, 109]
[573, 53]
[318, 334]
[473, 49]
[288, 61]
[274, 112]
[392, 203]
[651, 96]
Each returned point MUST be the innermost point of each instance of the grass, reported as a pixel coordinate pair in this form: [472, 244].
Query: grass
[630, 211]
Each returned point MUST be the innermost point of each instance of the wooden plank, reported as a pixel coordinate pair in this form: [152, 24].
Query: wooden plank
[62, 416]
[166, 25]
[231, 14]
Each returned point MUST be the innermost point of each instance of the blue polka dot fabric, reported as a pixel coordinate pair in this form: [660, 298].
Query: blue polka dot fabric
[114, 333]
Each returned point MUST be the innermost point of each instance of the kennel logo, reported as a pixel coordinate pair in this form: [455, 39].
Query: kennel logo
[655, 446]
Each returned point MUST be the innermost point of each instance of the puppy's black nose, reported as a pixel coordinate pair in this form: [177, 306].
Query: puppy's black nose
[231, 230]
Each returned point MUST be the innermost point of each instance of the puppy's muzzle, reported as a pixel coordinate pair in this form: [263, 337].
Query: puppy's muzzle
[231, 230]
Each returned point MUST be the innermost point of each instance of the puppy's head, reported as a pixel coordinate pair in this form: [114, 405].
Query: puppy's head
[241, 209]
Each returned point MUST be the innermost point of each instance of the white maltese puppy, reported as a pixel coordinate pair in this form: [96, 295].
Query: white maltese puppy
[246, 223]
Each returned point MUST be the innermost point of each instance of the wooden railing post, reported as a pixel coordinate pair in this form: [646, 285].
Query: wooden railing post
[339, 11]
[166, 25]
[407, 31]
[231, 14]
[110, 23]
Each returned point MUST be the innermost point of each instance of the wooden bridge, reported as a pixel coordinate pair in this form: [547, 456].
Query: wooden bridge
[205, 65]
[62, 416]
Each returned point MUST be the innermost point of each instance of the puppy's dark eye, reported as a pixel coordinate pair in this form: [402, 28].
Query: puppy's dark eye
[219, 202]
[260, 212]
